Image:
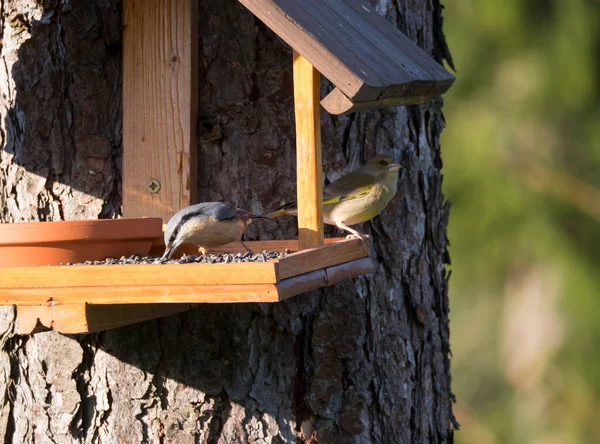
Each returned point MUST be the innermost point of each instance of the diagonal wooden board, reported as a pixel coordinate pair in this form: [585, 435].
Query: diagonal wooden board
[371, 63]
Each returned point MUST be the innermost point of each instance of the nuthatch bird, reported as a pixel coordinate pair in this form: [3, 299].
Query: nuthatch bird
[208, 225]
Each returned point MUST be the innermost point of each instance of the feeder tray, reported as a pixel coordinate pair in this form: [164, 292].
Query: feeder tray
[52, 296]
[370, 64]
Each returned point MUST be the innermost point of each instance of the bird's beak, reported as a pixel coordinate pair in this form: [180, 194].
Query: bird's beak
[394, 167]
[168, 253]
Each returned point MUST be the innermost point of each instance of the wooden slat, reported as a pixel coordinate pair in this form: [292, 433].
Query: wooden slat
[412, 59]
[360, 52]
[337, 103]
[308, 45]
[137, 275]
[82, 318]
[159, 106]
[309, 159]
[411, 62]
[322, 278]
[322, 257]
[349, 39]
[67, 303]
[145, 294]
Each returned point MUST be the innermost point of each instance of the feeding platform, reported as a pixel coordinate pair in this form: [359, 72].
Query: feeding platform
[370, 64]
[116, 295]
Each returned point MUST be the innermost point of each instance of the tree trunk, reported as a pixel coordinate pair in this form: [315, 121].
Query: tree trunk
[364, 361]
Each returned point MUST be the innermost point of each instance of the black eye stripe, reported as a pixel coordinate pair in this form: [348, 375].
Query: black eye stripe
[181, 223]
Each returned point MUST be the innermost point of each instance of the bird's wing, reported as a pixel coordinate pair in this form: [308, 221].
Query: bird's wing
[351, 186]
[229, 212]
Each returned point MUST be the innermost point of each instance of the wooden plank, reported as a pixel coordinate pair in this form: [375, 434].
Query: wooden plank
[307, 44]
[159, 106]
[331, 33]
[309, 159]
[411, 62]
[366, 57]
[138, 275]
[82, 318]
[412, 58]
[322, 278]
[325, 256]
[350, 40]
[142, 294]
[336, 102]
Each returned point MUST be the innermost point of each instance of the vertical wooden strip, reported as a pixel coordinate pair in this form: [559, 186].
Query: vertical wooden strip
[307, 81]
[159, 107]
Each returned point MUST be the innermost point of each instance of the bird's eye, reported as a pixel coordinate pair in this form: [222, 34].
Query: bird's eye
[383, 162]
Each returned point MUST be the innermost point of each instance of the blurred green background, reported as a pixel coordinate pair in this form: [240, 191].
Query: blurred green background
[522, 167]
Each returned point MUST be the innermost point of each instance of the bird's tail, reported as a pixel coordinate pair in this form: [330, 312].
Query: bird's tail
[277, 213]
[288, 209]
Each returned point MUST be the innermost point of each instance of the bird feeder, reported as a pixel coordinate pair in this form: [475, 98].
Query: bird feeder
[371, 65]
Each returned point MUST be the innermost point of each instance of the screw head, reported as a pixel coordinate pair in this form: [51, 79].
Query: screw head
[153, 186]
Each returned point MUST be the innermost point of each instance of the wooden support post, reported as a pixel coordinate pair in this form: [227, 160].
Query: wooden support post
[159, 107]
[307, 81]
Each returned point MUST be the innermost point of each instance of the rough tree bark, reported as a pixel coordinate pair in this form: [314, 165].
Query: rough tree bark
[364, 361]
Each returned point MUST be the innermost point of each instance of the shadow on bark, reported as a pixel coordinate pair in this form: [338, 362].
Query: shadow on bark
[63, 126]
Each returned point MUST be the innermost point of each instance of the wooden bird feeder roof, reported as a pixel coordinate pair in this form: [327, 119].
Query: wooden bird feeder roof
[371, 63]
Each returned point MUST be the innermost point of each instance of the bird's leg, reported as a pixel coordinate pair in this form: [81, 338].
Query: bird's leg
[202, 251]
[246, 247]
[355, 234]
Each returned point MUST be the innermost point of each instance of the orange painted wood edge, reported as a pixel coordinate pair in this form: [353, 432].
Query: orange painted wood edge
[138, 275]
[139, 295]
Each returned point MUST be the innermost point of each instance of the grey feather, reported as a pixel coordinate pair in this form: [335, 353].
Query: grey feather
[215, 211]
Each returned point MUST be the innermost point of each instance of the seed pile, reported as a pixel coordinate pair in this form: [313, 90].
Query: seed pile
[226, 258]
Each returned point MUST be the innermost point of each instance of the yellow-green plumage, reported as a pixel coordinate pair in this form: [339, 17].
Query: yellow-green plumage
[356, 197]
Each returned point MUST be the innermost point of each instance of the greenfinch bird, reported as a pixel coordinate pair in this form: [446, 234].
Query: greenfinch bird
[356, 197]
[208, 225]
